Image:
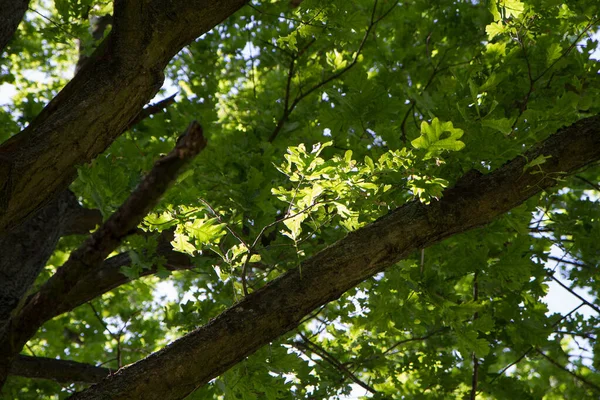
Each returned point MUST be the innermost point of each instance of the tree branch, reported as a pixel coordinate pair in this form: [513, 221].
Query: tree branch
[288, 110]
[308, 346]
[279, 306]
[568, 289]
[63, 371]
[40, 306]
[152, 109]
[108, 276]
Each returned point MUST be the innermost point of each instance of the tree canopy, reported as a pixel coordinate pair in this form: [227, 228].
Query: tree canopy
[299, 199]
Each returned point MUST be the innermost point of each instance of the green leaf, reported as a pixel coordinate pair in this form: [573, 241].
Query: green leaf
[181, 243]
[513, 7]
[503, 125]
[494, 29]
[554, 52]
[207, 230]
[431, 138]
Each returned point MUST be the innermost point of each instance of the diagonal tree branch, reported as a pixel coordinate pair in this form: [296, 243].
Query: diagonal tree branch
[152, 109]
[108, 276]
[280, 306]
[39, 307]
[308, 346]
[94, 108]
[63, 371]
[568, 289]
[573, 374]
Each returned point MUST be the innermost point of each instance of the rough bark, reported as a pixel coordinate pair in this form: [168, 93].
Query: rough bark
[261, 317]
[62, 371]
[111, 88]
[11, 14]
[25, 250]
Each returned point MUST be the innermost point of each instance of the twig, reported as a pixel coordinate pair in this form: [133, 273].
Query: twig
[571, 47]
[523, 105]
[592, 184]
[252, 6]
[587, 303]
[100, 319]
[59, 26]
[325, 355]
[573, 374]
[475, 377]
[414, 339]
[518, 360]
[533, 81]
[229, 229]
[336, 75]
[571, 262]
[152, 109]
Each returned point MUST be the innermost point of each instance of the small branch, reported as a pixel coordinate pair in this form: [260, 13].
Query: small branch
[152, 109]
[573, 374]
[533, 81]
[523, 103]
[63, 371]
[571, 47]
[307, 345]
[585, 335]
[475, 377]
[278, 16]
[99, 318]
[518, 360]
[414, 339]
[218, 217]
[108, 276]
[595, 186]
[336, 75]
[591, 305]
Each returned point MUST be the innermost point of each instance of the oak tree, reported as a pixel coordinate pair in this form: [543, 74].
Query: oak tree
[299, 199]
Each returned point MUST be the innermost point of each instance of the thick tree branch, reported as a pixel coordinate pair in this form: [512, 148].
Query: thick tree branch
[11, 14]
[108, 276]
[278, 307]
[63, 371]
[40, 306]
[122, 75]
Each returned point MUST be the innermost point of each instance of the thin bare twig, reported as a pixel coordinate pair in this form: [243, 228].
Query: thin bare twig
[592, 184]
[308, 345]
[573, 374]
[531, 348]
[152, 109]
[333, 77]
[587, 303]
[475, 377]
